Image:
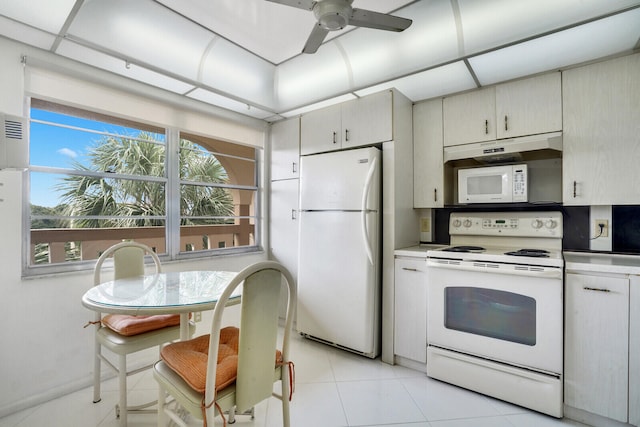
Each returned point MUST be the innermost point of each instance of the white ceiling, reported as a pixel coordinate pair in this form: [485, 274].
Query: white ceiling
[244, 55]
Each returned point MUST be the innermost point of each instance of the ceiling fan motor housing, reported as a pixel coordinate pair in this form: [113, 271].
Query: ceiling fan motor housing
[333, 14]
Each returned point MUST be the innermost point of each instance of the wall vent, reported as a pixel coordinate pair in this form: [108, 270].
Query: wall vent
[13, 142]
[13, 129]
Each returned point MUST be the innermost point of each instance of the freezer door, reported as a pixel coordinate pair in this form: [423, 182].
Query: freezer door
[338, 286]
[343, 180]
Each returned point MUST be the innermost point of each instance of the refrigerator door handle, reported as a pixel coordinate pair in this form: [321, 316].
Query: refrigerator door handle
[364, 211]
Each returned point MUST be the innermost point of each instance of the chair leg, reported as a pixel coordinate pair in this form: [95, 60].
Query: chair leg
[122, 386]
[96, 372]
[162, 419]
[285, 399]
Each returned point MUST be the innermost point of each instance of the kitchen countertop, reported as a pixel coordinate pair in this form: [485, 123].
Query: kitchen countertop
[603, 263]
[417, 251]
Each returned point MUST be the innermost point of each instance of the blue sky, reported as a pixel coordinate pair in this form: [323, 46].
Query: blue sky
[60, 147]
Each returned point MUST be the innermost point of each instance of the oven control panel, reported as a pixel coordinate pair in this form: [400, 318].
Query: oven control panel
[525, 224]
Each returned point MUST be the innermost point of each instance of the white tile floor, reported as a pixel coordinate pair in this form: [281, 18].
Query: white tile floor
[333, 389]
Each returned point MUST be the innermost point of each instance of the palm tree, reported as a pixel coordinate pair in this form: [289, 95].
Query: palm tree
[125, 198]
[197, 165]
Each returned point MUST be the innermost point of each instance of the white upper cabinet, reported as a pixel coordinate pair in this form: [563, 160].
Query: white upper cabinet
[470, 117]
[321, 130]
[524, 107]
[285, 149]
[529, 107]
[364, 121]
[367, 120]
[601, 135]
[428, 173]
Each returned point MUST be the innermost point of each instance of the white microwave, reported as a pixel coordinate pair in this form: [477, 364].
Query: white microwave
[493, 184]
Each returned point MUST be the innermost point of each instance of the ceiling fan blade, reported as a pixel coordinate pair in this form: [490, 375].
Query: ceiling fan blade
[379, 21]
[300, 4]
[315, 39]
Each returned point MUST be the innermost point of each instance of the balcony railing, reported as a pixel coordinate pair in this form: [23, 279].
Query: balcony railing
[93, 241]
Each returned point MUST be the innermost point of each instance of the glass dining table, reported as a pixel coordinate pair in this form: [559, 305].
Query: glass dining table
[181, 292]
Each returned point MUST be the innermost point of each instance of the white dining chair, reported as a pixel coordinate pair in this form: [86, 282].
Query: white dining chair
[198, 374]
[126, 334]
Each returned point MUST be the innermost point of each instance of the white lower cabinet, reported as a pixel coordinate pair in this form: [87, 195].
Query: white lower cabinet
[410, 326]
[283, 225]
[596, 366]
[634, 351]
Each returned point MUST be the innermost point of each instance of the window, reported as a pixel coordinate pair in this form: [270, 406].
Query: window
[96, 180]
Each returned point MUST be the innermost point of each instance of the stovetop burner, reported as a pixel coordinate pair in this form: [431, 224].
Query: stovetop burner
[536, 253]
[464, 249]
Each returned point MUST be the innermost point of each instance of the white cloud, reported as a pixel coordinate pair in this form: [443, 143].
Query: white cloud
[68, 152]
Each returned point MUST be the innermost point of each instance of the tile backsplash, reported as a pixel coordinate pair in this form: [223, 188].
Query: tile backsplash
[626, 228]
[624, 225]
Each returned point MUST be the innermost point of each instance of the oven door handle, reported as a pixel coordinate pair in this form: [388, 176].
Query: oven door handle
[484, 267]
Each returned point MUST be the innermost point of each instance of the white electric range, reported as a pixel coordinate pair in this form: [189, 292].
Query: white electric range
[495, 307]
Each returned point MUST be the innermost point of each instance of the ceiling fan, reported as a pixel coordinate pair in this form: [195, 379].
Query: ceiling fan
[336, 14]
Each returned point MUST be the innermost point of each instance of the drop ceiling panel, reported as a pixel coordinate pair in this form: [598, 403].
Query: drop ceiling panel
[230, 104]
[91, 57]
[237, 72]
[26, 34]
[228, 48]
[608, 36]
[326, 103]
[48, 15]
[428, 84]
[492, 23]
[143, 31]
[375, 56]
[272, 31]
[310, 78]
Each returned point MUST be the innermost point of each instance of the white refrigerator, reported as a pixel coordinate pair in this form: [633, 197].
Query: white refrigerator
[339, 267]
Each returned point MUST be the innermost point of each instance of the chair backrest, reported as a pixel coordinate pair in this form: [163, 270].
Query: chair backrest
[259, 321]
[128, 260]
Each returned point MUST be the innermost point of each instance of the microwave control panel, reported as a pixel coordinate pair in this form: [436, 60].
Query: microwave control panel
[520, 183]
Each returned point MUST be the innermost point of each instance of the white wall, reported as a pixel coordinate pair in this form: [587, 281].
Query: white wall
[45, 352]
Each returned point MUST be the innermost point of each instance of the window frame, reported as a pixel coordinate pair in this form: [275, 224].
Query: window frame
[171, 181]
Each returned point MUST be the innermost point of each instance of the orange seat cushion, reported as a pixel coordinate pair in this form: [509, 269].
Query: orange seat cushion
[127, 325]
[189, 359]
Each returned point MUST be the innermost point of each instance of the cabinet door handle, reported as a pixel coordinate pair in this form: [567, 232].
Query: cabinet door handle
[435, 194]
[575, 186]
[334, 137]
[293, 167]
[409, 269]
[506, 123]
[486, 127]
[293, 214]
[595, 289]
[346, 135]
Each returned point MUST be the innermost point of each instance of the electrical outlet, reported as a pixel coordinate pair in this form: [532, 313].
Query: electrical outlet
[197, 316]
[425, 225]
[605, 228]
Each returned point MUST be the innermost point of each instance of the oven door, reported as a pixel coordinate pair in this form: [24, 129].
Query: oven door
[503, 312]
